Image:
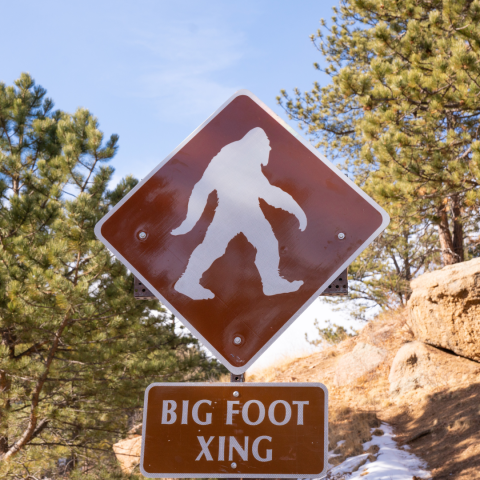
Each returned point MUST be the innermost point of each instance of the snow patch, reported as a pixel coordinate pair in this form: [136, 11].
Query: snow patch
[393, 462]
[331, 454]
[348, 466]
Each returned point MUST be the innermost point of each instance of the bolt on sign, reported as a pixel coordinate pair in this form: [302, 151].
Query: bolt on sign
[234, 430]
[240, 229]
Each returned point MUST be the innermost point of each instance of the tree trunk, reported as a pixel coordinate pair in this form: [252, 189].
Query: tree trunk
[34, 427]
[4, 388]
[5, 384]
[457, 230]
[446, 242]
[408, 270]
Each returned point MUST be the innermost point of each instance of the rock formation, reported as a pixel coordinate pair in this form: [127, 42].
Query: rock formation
[361, 360]
[128, 450]
[445, 308]
[417, 365]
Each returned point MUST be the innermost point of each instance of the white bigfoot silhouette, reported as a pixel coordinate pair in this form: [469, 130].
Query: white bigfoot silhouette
[236, 175]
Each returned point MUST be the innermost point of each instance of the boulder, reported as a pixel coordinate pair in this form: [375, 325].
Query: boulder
[361, 360]
[128, 450]
[417, 365]
[445, 308]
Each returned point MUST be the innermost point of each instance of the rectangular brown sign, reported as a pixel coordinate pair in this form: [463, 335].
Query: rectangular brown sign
[235, 430]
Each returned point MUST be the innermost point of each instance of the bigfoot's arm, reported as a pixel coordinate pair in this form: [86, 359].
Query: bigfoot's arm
[196, 206]
[276, 197]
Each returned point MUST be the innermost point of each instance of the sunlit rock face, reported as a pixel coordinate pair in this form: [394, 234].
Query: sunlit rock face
[417, 365]
[445, 308]
[361, 360]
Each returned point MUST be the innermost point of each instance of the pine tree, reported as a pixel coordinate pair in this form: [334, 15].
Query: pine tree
[381, 275]
[332, 334]
[77, 351]
[402, 112]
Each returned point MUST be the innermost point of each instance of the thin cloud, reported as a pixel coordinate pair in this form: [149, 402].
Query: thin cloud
[190, 58]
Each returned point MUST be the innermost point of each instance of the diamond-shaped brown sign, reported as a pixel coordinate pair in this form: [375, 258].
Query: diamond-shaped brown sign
[241, 228]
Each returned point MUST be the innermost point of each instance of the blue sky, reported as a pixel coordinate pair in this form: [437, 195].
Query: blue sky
[152, 71]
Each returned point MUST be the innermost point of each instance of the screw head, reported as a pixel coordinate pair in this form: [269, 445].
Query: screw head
[234, 465]
[237, 340]
[341, 236]
[236, 394]
[142, 235]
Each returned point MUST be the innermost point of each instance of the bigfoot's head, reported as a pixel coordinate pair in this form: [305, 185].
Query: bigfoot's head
[249, 153]
[257, 144]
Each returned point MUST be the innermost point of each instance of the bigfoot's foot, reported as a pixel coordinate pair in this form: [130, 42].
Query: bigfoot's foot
[193, 289]
[280, 285]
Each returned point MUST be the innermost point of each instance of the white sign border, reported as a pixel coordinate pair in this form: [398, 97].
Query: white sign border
[238, 385]
[232, 368]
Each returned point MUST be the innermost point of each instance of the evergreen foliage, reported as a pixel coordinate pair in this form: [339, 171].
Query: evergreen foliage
[333, 334]
[381, 275]
[77, 351]
[402, 114]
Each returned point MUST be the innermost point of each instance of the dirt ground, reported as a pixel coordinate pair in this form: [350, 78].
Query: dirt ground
[441, 425]
[443, 429]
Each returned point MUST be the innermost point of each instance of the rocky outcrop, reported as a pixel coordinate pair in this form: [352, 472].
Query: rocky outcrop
[445, 308]
[128, 451]
[361, 360]
[417, 365]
